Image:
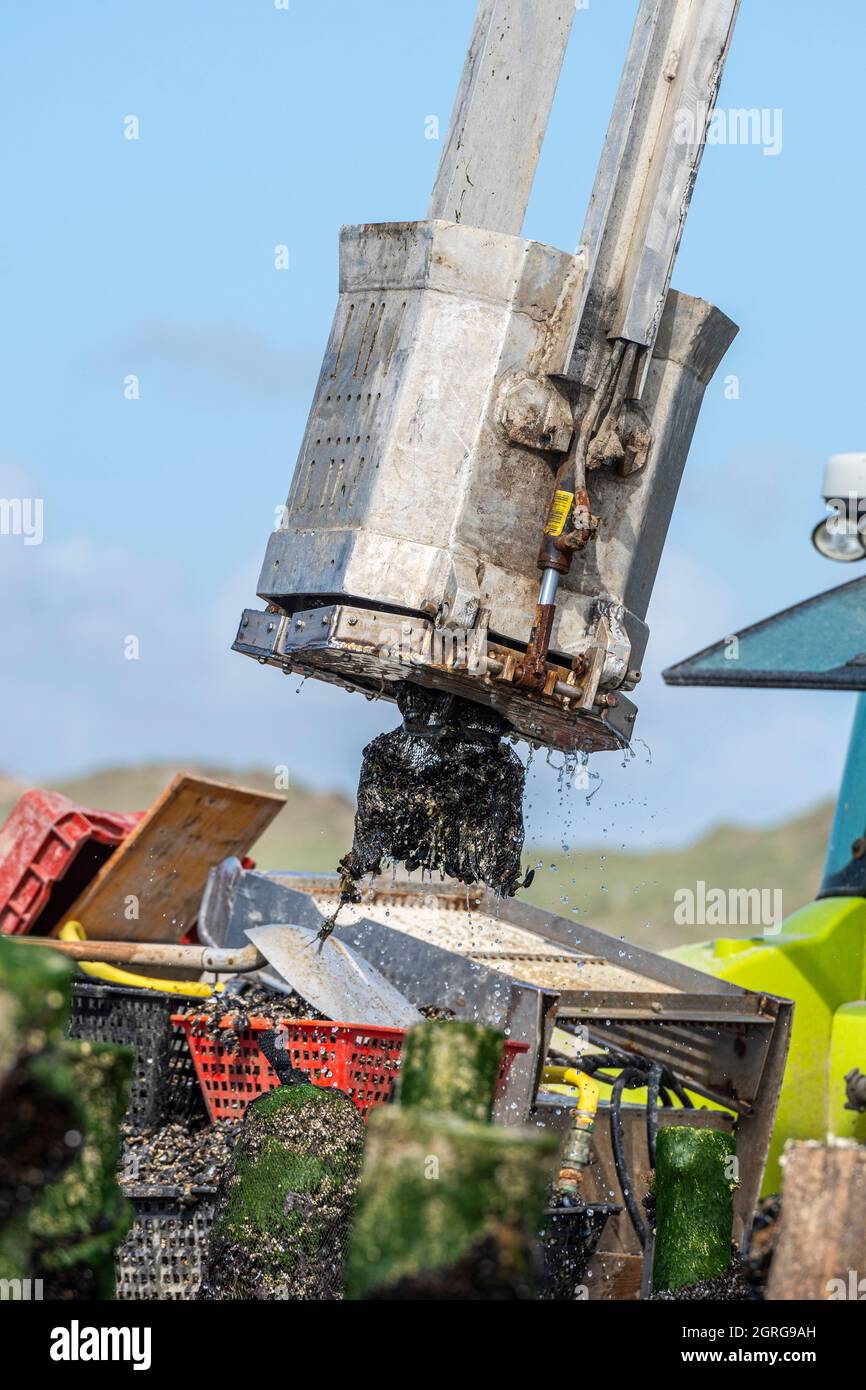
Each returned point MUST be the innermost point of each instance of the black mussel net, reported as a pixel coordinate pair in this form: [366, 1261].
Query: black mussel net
[441, 793]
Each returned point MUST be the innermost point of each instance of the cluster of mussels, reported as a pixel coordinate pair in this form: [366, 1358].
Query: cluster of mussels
[175, 1157]
[227, 1013]
[441, 793]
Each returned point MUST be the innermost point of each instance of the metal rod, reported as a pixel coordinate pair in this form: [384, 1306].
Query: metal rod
[647, 172]
[632, 232]
[549, 586]
[217, 960]
[501, 112]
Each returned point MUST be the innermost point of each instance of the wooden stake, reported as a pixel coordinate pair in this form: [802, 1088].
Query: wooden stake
[821, 1254]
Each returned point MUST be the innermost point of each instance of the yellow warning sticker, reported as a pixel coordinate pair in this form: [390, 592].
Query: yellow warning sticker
[558, 515]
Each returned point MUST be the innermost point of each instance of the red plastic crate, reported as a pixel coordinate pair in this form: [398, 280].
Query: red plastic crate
[357, 1059]
[50, 849]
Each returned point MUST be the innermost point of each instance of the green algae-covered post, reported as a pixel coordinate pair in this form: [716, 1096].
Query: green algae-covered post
[452, 1067]
[61, 1106]
[283, 1207]
[36, 993]
[694, 1207]
[449, 1205]
[36, 1116]
[78, 1221]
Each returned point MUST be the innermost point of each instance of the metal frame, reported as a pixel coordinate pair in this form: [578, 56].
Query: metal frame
[517, 339]
[378, 651]
[703, 1021]
[424, 973]
[647, 174]
[726, 1043]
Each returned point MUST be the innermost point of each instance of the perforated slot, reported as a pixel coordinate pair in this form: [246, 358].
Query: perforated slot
[343, 436]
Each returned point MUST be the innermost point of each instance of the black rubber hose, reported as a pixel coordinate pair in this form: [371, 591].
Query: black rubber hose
[652, 1118]
[612, 1059]
[609, 1058]
[681, 1094]
[627, 1080]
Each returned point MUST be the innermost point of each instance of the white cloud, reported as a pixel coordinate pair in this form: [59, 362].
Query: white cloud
[74, 699]
[218, 356]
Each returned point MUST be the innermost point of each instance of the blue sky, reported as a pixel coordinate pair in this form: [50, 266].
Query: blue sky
[155, 257]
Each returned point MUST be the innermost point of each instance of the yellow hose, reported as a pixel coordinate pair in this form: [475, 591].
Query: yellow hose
[99, 970]
[570, 1081]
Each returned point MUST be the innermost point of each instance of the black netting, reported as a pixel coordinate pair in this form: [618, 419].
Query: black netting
[284, 1206]
[441, 793]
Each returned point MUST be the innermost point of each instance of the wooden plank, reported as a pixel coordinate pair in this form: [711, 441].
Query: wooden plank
[821, 1251]
[501, 112]
[160, 869]
[613, 1277]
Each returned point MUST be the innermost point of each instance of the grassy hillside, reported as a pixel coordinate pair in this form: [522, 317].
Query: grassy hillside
[311, 833]
[629, 895]
[632, 895]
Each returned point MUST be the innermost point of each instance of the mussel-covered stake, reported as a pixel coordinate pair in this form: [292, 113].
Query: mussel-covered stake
[442, 793]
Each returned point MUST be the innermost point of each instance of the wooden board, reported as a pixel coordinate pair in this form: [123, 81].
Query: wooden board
[160, 869]
[612, 1278]
[821, 1251]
